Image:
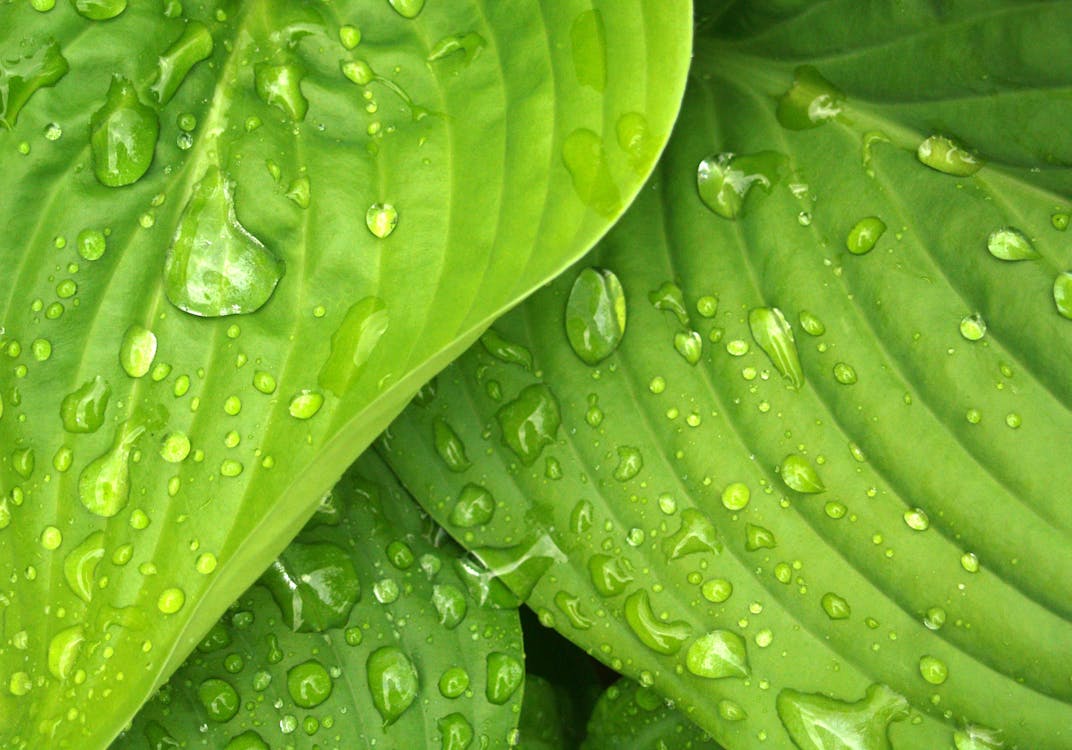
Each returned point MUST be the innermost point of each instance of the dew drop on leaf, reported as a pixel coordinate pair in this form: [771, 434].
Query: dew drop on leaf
[137, 351]
[174, 65]
[772, 332]
[349, 36]
[21, 77]
[381, 219]
[91, 244]
[80, 565]
[100, 10]
[864, 235]
[819, 722]
[933, 670]
[104, 485]
[475, 507]
[82, 411]
[718, 654]
[1009, 243]
[1062, 294]
[392, 682]
[353, 342]
[123, 135]
[973, 327]
[279, 86]
[505, 675]
[315, 586]
[946, 155]
[408, 8]
[835, 606]
[214, 266]
[585, 159]
[63, 651]
[589, 40]
[171, 600]
[595, 315]
[810, 101]
[798, 474]
[662, 637]
[456, 732]
[530, 422]
[309, 684]
[725, 180]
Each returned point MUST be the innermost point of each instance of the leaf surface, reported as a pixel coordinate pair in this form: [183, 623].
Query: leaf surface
[237, 238]
[630, 717]
[410, 662]
[816, 495]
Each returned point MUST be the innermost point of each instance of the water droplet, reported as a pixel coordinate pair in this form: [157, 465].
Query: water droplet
[456, 731]
[609, 575]
[731, 711]
[100, 10]
[359, 72]
[123, 135]
[381, 219]
[1009, 243]
[353, 343]
[505, 675]
[811, 324]
[935, 618]
[810, 101]
[946, 155]
[279, 86]
[300, 192]
[21, 77]
[736, 496]
[458, 49]
[475, 507]
[1062, 294]
[392, 682]
[264, 382]
[206, 563]
[695, 535]
[104, 485]
[91, 244]
[530, 422]
[453, 682]
[309, 684]
[450, 604]
[975, 737]
[82, 411]
[758, 537]
[970, 562]
[449, 446]
[844, 373]
[248, 740]
[349, 36]
[636, 140]
[314, 585]
[717, 590]
[595, 315]
[80, 565]
[137, 352]
[408, 8]
[718, 654]
[933, 670]
[630, 462]
[916, 519]
[725, 180]
[586, 161]
[798, 474]
[1060, 221]
[818, 722]
[219, 699]
[836, 607]
[63, 651]
[171, 600]
[589, 38]
[865, 235]
[215, 267]
[305, 404]
[172, 67]
[772, 332]
[689, 344]
[660, 636]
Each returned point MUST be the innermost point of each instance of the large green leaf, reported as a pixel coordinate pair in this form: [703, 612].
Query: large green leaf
[207, 308]
[380, 644]
[818, 496]
[630, 717]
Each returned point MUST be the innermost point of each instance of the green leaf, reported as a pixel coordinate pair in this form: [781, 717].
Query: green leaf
[237, 238]
[631, 717]
[411, 660]
[891, 539]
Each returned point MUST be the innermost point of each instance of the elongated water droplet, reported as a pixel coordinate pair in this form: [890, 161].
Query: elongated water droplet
[865, 235]
[506, 351]
[660, 636]
[279, 86]
[21, 77]
[725, 180]
[392, 682]
[1009, 243]
[449, 446]
[63, 651]
[810, 101]
[299, 191]
[352, 344]
[100, 10]
[798, 474]
[636, 140]
[946, 155]
[1062, 294]
[630, 462]
[214, 266]
[137, 352]
[381, 219]
[80, 565]
[718, 654]
[123, 135]
[589, 39]
[174, 65]
[82, 411]
[458, 49]
[595, 315]
[772, 332]
[315, 586]
[505, 675]
[309, 684]
[585, 158]
[818, 722]
[530, 422]
[408, 8]
[669, 298]
[104, 485]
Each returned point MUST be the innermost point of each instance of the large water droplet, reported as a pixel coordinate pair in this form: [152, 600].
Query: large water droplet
[214, 266]
[82, 411]
[450, 604]
[315, 586]
[530, 422]
[718, 654]
[80, 565]
[589, 39]
[100, 10]
[725, 180]
[21, 77]
[475, 507]
[456, 732]
[864, 235]
[192, 47]
[586, 160]
[973, 327]
[810, 101]
[658, 635]
[817, 722]
[595, 315]
[352, 344]
[772, 332]
[505, 675]
[104, 485]
[610, 576]
[408, 8]
[219, 699]
[946, 155]
[279, 86]
[309, 684]
[1062, 294]
[696, 534]
[137, 351]
[836, 607]
[1009, 243]
[798, 474]
[63, 651]
[392, 682]
[123, 135]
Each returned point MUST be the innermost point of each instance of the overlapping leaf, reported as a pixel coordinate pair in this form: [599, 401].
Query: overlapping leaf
[381, 645]
[629, 717]
[237, 237]
[817, 496]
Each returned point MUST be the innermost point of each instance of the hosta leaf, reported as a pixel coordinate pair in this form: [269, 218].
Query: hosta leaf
[237, 238]
[630, 717]
[869, 552]
[413, 662]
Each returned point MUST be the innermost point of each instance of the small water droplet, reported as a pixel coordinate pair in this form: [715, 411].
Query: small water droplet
[219, 699]
[349, 36]
[758, 537]
[137, 351]
[457, 50]
[835, 606]
[946, 155]
[864, 235]
[171, 600]
[82, 411]
[305, 404]
[100, 10]
[381, 219]
[798, 474]
[123, 135]
[933, 670]
[1062, 294]
[916, 519]
[844, 373]
[772, 332]
[736, 496]
[408, 8]
[689, 344]
[453, 682]
[91, 244]
[630, 462]
[935, 618]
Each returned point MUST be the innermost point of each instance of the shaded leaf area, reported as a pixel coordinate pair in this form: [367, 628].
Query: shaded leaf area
[237, 237]
[816, 494]
[363, 634]
[631, 717]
